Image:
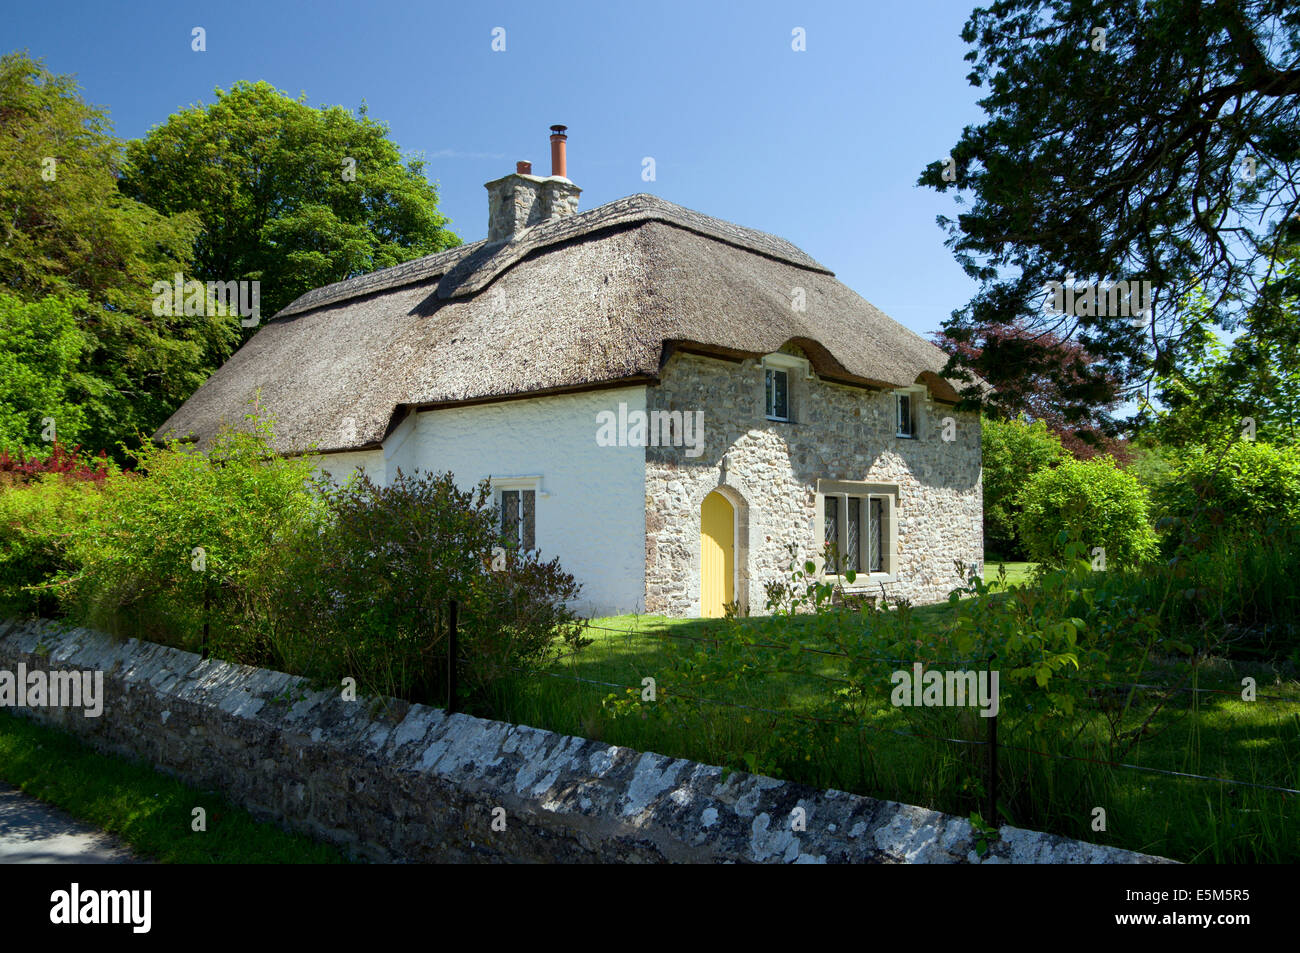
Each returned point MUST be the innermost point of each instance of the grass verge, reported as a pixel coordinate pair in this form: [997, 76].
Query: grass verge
[149, 811]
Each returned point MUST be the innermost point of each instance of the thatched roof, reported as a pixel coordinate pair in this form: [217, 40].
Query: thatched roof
[589, 300]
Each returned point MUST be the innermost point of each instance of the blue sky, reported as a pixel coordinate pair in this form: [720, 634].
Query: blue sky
[822, 147]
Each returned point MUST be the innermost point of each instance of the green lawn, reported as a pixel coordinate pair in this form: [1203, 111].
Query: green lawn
[148, 810]
[1017, 573]
[1200, 733]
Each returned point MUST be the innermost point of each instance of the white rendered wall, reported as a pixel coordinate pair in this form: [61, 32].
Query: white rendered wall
[338, 466]
[591, 501]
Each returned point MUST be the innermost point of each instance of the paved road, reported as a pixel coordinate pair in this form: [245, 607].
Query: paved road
[33, 832]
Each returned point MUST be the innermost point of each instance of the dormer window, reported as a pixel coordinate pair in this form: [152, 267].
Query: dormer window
[906, 415]
[784, 382]
[777, 390]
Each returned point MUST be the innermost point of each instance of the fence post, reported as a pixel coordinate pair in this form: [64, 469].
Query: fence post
[207, 614]
[993, 762]
[453, 653]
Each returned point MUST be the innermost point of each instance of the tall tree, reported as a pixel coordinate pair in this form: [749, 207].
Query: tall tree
[1152, 142]
[84, 257]
[1248, 386]
[288, 195]
[42, 385]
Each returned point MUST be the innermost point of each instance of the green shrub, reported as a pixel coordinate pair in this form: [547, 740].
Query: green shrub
[1093, 500]
[1248, 488]
[192, 538]
[368, 595]
[36, 523]
[1150, 462]
[1013, 451]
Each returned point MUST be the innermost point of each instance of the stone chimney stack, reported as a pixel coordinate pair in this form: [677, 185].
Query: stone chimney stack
[521, 199]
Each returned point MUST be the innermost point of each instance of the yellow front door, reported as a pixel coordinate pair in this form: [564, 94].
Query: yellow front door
[717, 554]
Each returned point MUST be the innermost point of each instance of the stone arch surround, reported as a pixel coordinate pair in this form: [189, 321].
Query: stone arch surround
[739, 500]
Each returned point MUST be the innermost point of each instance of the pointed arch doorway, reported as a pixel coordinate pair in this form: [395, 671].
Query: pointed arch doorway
[717, 554]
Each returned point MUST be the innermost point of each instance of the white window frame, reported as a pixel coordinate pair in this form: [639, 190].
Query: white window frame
[918, 398]
[521, 484]
[794, 368]
[770, 412]
[842, 490]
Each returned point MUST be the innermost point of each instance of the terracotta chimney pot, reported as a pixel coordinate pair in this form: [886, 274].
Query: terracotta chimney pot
[559, 159]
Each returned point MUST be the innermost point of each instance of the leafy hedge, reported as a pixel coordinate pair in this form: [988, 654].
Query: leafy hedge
[42, 500]
[1247, 488]
[191, 538]
[248, 555]
[37, 522]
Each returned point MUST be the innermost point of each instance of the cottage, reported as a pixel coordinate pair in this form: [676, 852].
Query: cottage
[813, 417]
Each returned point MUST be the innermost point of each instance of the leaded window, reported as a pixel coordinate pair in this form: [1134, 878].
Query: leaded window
[518, 521]
[831, 525]
[854, 533]
[875, 535]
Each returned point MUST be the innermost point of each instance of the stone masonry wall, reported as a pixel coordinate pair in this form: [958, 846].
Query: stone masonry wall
[410, 783]
[770, 469]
